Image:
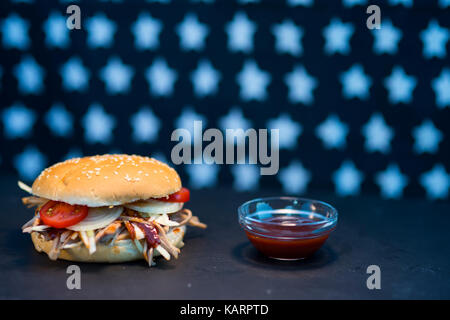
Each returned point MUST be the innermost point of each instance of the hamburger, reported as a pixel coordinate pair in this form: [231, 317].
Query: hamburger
[108, 208]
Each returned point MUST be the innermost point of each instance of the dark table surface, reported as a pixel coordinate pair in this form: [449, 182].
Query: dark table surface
[407, 239]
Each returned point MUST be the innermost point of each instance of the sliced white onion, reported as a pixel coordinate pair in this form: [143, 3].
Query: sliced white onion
[91, 238]
[39, 228]
[72, 245]
[163, 252]
[164, 220]
[84, 238]
[97, 218]
[152, 206]
[24, 187]
[138, 232]
[30, 222]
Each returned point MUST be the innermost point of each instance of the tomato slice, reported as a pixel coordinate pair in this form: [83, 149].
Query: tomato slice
[181, 196]
[61, 215]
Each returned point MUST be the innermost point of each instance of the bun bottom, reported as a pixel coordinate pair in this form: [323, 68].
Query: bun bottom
[121, 251]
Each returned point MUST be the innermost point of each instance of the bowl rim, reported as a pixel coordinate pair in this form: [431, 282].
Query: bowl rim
[334, 212]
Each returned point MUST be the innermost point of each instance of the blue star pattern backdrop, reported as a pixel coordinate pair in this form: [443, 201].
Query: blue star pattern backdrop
[359, 110]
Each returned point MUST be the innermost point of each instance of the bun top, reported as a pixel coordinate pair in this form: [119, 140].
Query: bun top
[106, 180]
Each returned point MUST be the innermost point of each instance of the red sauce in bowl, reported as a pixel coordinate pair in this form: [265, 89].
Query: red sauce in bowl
[287, 236]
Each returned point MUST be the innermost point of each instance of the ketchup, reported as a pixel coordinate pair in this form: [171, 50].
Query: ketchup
[291, 236]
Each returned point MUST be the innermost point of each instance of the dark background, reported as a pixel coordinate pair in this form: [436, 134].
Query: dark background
[40, 146]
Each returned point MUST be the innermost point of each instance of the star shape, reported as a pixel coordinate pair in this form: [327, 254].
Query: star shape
[305, 3]
[300, 85]
[73, 153]
[18, 121]
[434, 39]
[202, 175]
[337, 37]
[386, 38]
[352, 3]
[30, 76]
[332, 132]
[75, 76]
[29, 163]
[378, 134]
[347, 179]
[436, 182]
[161, 78]
[240, 33]
[56, 31]
[426, 137]
[294, 178]
[15, 32]
[145, 125]
[205, 79]
[59, 120]
[355, 83]
[391, 182]
[288, 38]
[246, 177]
[400, 86]
[100, 31]
[98, 125]
[187, 118]
[192, 33]
[289, 130]
[441, 87]
[405, 3]
[235, 120]
[253, 82]
[160, 156]
[146, 30]
[117, 76]
[444, 3]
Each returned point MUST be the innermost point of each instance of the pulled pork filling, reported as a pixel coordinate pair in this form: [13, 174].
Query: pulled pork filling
[147, 233]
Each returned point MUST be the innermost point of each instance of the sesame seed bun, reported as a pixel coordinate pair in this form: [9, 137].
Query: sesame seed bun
[106, 180]
[121, 251]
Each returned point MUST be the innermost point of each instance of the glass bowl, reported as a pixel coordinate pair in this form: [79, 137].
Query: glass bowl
[287, 228]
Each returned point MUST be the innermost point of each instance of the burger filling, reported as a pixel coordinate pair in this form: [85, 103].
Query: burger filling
[148, 223]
